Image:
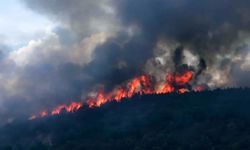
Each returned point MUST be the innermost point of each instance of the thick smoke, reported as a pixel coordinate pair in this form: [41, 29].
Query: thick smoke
[213, 31]
[105, 43]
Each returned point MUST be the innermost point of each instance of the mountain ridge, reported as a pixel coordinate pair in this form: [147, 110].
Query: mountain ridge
[217, 119]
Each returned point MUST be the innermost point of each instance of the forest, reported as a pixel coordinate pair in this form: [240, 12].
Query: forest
[214, 120]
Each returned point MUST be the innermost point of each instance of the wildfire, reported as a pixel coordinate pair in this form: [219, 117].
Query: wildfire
[184, 78]
[69, 108]
[73, 106]
[141, 84]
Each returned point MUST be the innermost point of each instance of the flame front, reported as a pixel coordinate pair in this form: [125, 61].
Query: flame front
[141, 84]
[69, 108]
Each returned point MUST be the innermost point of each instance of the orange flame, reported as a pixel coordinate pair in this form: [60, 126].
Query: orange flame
[68, 108]
[140, 84]
[184, 78]
[119, 94]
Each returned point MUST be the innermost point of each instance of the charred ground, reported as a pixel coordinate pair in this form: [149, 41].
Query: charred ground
[218, 119]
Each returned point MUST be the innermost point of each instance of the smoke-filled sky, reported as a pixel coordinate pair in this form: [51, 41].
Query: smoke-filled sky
[55, 51]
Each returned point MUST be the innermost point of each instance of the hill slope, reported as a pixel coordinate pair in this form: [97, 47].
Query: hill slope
[207, 120]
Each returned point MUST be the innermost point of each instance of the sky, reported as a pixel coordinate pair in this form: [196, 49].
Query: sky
[19, 25]
[56, 51]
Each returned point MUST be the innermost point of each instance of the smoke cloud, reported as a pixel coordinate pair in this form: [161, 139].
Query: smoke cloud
[105, 43]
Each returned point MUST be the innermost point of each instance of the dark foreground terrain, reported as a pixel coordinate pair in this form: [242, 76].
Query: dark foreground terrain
[216, 120]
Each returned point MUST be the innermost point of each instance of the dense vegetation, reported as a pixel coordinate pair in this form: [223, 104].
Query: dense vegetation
[217, 119]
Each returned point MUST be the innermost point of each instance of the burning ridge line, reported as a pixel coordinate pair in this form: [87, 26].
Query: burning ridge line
[141, 84]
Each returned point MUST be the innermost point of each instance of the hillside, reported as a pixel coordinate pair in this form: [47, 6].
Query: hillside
[217, 119]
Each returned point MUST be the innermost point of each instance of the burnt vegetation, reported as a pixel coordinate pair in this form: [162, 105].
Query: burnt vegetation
[218, 119]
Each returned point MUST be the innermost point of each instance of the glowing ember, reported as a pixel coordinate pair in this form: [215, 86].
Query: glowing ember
[140, 84]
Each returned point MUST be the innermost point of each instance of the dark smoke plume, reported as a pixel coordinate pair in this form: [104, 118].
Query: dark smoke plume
[105, 43]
